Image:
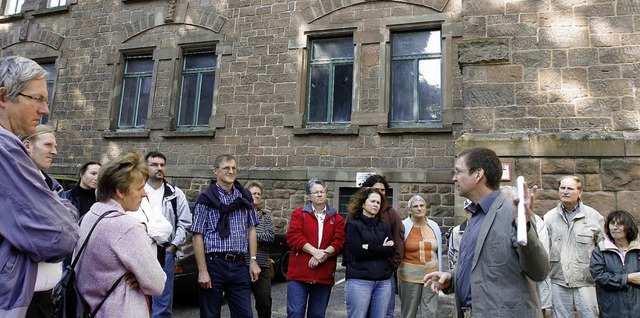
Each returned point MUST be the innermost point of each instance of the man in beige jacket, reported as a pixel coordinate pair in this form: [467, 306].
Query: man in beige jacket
[574, 229]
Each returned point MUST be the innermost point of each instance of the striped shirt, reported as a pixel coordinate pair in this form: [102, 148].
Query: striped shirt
[205, 219]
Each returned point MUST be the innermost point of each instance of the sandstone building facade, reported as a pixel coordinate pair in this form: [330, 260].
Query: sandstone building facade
[334, 88]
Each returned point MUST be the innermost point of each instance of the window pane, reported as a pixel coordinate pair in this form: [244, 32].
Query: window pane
[136, 89]
[318, 93]
[143, 102]
[127, 106]
[342, 88]
[51, 78]
[196, 100]
[332, 48]
[139, 65]
[56, 3]
[416, 43]
[416, 78]
[13, 7]
[206, 99]
[402, 90]
[429, 90]
[188, 101]
[195, 61]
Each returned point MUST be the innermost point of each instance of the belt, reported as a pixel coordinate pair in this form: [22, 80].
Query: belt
[231, 257]
[45, 293]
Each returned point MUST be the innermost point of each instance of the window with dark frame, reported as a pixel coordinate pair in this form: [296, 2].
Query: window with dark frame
[51, 80]
[416, 79]
[136, 90]
[197, 88]
[12, 7]
[330, 81]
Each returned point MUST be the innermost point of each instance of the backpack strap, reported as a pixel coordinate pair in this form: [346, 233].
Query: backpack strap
[170, 189]
[86, 240]
[95, 311]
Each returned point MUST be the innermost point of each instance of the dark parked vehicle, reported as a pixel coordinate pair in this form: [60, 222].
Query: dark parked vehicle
[186, 269]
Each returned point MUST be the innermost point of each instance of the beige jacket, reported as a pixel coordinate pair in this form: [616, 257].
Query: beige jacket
[571, 245]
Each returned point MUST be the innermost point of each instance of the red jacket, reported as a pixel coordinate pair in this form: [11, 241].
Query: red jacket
[303, 228]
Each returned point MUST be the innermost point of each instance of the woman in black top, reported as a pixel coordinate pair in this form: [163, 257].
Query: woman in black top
[369, 245]
[83, 195]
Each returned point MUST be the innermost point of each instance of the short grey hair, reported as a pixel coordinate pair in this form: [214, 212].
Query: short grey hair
[220, 158]
[16, 72]
[313, 181]
[40, 129]
[513, 191]
[415, 198]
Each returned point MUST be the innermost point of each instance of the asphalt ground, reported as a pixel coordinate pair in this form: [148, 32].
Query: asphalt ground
[186, 304]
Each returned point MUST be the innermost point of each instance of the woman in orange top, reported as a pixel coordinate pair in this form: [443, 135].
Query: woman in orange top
[422, 255]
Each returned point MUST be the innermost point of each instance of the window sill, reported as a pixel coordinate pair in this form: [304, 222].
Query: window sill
[125, 134]
[413, 130]
[326, 131]
[188, 133]
[64, 8]
[7, 18]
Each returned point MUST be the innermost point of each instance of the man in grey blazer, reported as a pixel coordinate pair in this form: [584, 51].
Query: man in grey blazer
[495, 276]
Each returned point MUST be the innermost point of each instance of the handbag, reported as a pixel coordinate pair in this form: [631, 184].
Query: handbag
[67, 300]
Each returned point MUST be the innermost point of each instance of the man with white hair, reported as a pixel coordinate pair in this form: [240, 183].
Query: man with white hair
[37, 225]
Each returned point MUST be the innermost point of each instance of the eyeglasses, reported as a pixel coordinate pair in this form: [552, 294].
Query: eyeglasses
[318, 193]
[457, 172]
[37, 99]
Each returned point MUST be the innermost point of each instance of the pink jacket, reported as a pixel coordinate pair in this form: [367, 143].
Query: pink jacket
[118, 245]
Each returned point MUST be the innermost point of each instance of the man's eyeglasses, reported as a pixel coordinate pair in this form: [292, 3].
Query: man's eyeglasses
[37, 99]
[319, 193]
[456, 172]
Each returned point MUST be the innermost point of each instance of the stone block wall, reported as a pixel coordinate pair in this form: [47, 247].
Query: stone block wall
[551, 85]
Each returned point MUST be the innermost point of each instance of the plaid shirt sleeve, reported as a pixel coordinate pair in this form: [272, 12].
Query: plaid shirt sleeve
[253, 217]
[200, 220]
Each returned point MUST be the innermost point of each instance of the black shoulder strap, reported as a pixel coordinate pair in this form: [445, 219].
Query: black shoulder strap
[174, 202]
[84, 244]
[95, 311]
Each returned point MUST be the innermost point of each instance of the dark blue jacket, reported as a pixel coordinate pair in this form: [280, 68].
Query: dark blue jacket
[371, 263]
[616, 296]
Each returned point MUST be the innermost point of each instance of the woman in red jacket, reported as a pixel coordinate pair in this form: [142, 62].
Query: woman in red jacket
[316, 238]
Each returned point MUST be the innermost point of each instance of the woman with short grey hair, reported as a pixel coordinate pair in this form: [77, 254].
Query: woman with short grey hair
[422, 255]
[316, 238]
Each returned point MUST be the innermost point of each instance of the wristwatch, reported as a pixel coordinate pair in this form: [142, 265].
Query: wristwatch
[254, 258]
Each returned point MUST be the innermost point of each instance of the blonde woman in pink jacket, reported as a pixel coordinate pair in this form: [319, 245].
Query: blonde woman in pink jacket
[119, 246]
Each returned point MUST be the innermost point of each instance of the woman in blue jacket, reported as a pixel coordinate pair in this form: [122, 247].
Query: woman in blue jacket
[615, 267]
[368, 248]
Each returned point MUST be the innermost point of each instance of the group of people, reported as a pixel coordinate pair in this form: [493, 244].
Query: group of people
[574, 262]
[382, 254]
[132, 221]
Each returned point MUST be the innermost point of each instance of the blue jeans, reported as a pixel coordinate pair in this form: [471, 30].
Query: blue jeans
[367, 298]
[162, 305]
[232, 278]
[392, 297]
[299, 294]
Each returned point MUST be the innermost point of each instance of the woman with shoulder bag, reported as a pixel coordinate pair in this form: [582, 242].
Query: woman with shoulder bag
[119, 244]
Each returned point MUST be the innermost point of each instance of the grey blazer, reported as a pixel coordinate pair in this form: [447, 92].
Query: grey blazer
[503, 273]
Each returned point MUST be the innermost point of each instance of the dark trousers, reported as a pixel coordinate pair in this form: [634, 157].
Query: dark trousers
[232, 278]
[262, 293]
[41, 305]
